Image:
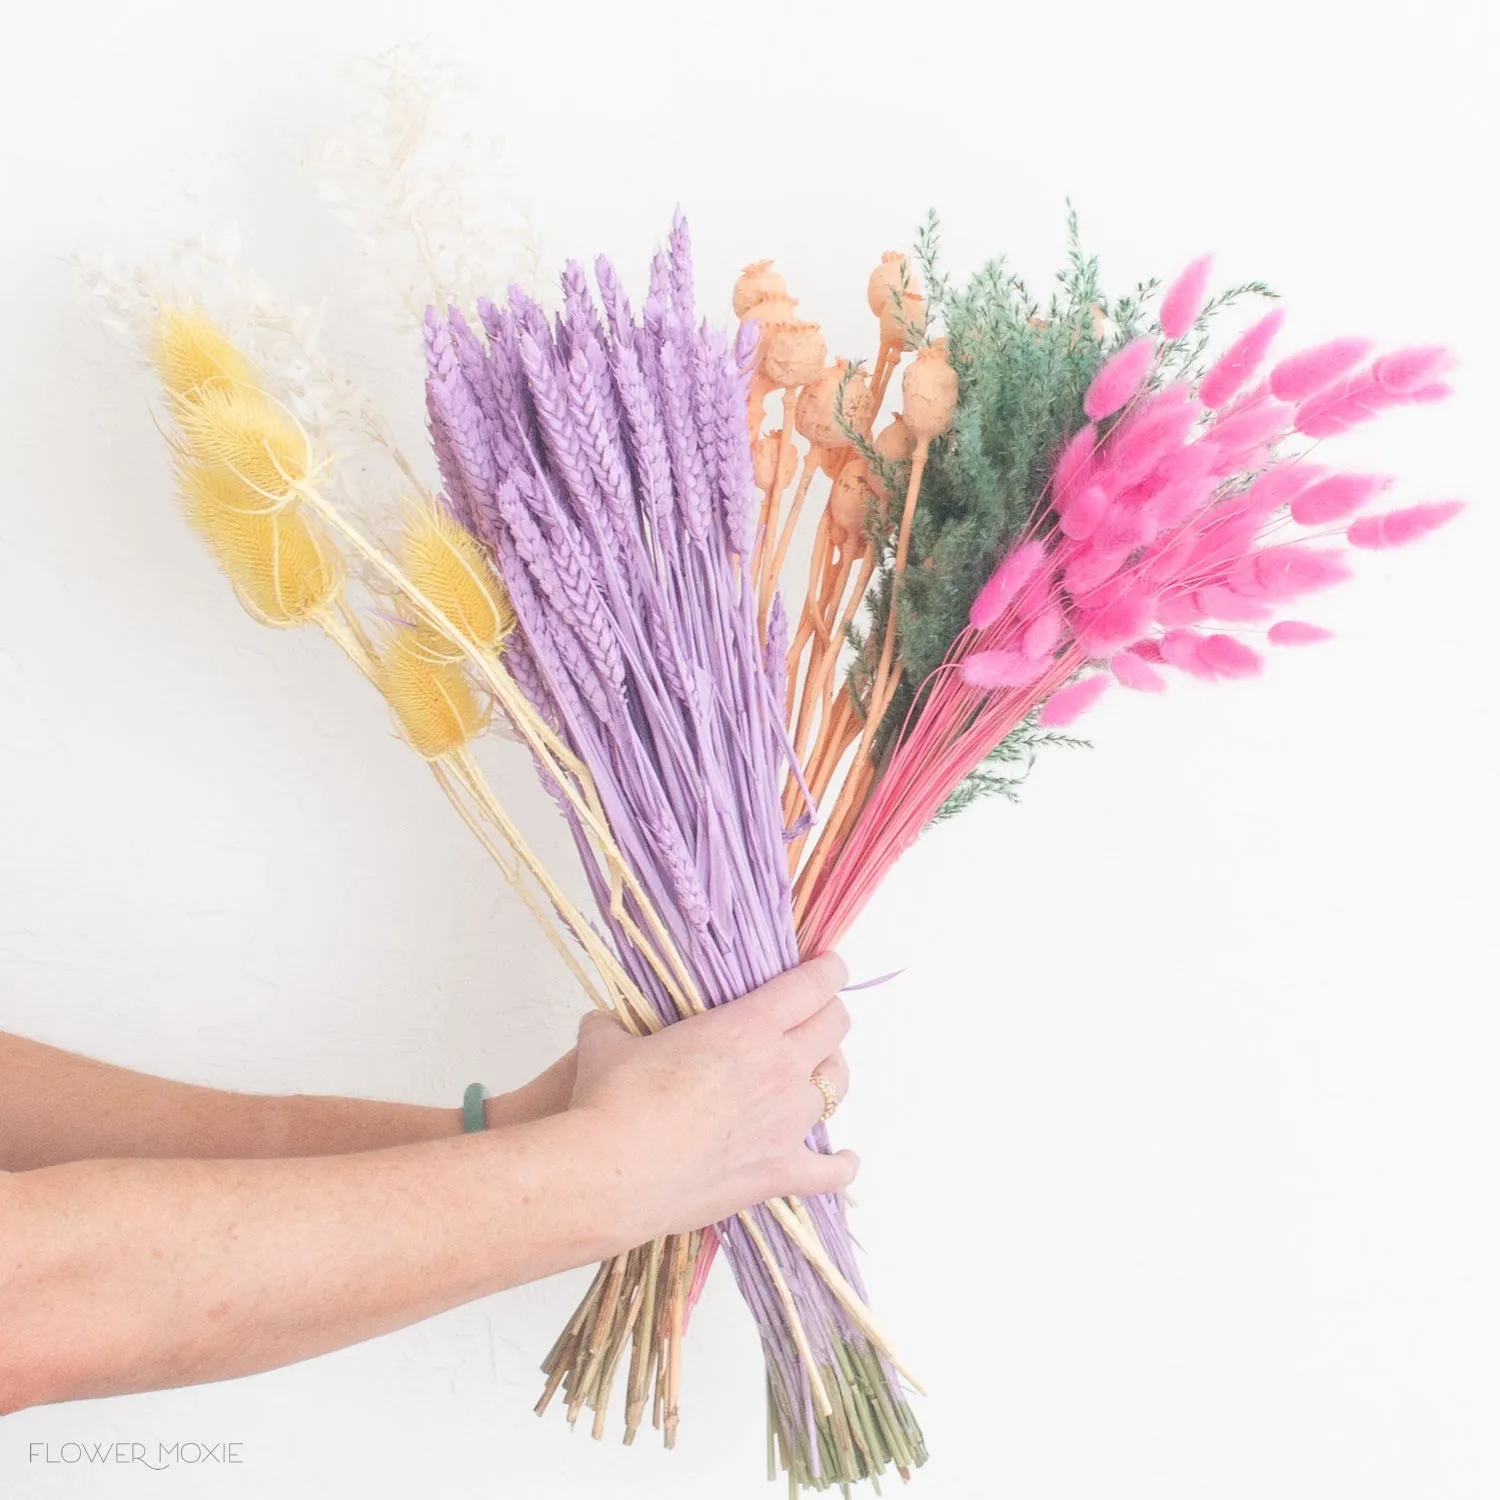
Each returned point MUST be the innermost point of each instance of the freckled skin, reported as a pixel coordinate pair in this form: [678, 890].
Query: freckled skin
[172, 1234]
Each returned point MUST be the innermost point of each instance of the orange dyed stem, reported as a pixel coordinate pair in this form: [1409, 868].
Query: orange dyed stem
[768, 582]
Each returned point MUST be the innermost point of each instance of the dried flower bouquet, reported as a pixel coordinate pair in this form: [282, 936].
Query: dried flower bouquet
[1070, 498]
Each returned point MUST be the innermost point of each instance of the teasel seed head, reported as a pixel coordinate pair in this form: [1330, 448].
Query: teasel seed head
[283, 566]
[189, 354]
[238, 428]
[451, 572]
[433, 701]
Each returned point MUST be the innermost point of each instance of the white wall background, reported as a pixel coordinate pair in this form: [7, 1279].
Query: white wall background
[1180, 1128]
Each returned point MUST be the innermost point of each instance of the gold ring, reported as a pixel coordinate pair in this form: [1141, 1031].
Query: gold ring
[830, 1098]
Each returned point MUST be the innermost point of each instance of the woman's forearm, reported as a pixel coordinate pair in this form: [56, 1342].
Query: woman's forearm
[131, 1275]
[58, 1106]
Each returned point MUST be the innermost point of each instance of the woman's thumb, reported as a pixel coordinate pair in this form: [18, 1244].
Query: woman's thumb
[598, 1028]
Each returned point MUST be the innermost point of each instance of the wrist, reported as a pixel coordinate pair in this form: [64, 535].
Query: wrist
[500, 1110]
[624, 1209]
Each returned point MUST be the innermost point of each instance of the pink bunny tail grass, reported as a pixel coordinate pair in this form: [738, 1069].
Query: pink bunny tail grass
[1344, 404]
[1158, 426]
[1424, 395]
[1094, 565]
[1240, 360]
[1119, 622]
[1131, 672]
[1183, 649]
[1229, 657]
[1220, 603]
[1184, 299]
[1040, 638]
[1180, 609]
[1336, 498]
[1000, 669]
[1405, 370]
[1073, 701]
[1399, 528]
[1079, 516]
[1297, 633]
[1003, 585]
[1278, 574]
[1243, 435]
[1118, 379]
[1073, 463]
[1274, 487]
[1300, 375]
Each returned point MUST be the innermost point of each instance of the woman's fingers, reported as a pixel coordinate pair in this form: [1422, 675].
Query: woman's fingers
[791, 998]
[816, 1173]
[835, 1072]
[821, 1033]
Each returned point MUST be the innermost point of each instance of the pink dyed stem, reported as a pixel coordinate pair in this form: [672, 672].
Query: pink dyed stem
[924, 771]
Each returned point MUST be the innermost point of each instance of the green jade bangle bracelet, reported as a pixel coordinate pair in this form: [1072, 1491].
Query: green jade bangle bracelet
[474, 1108]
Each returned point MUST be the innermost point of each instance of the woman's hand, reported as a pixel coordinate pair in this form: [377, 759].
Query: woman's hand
[711, 1114]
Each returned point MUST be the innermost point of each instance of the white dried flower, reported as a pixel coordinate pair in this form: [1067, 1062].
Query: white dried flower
[437, 209]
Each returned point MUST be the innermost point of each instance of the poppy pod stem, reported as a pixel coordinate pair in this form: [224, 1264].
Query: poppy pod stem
[860, 774]
[807, 626]
[760, 387]
[770, 515]
[818, 686]
[810, 466]
[885, 366]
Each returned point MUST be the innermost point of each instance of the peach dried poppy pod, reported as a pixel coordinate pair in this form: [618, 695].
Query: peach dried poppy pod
[929, 391]
[849, 501]
[756, 283]
[792, 354]
[818, 406]
[886, 282]
[772, 311]
[894, 443]
[903, 326]
[767, 450]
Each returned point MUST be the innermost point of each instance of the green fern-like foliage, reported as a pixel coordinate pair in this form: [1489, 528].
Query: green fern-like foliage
[1006, 767]
[1022, 371]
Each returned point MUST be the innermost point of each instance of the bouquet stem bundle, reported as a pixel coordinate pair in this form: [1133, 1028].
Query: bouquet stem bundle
[604, 462]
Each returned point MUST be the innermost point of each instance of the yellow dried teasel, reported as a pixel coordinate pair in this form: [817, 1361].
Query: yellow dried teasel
[454, 576]
[283, 568]
[240, 459]
[239, 428]
[189, 353]
[433, 700]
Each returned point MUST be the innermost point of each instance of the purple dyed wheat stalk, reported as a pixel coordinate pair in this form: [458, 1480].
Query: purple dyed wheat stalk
[606, 463]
